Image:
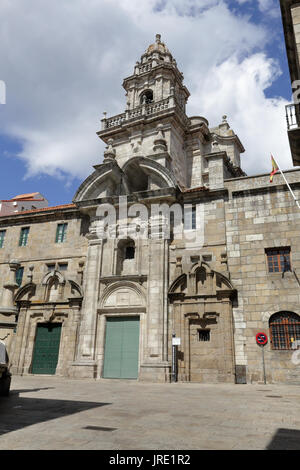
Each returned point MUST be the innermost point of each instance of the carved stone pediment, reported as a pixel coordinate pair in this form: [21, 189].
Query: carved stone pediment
[201, 282]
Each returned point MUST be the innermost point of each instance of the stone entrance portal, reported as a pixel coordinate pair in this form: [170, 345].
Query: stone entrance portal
[201, 315]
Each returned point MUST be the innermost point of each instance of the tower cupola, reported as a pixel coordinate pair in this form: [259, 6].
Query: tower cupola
[156, 78]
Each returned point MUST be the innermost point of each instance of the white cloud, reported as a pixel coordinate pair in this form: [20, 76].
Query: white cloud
[265, 5]
[236, 89]
[63, 64]
[270, 7]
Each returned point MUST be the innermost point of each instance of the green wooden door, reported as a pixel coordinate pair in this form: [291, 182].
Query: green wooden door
[121, 355]
[46, 348]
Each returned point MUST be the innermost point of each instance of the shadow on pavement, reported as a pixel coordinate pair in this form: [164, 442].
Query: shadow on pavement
[285, 439]
[18, 412]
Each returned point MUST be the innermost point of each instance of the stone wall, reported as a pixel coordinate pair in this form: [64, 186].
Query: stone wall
[39, 258]
[261, 215]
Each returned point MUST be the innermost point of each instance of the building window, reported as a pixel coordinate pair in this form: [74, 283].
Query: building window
[190, 218]
[61, 233]
[279, 259]
[125, 257]
[146, 97]
[284, 330]
[50, 267]
[19, 275]
[129, 252]
[2, 236]
[62, 266]
[24, 236]
[204, 335]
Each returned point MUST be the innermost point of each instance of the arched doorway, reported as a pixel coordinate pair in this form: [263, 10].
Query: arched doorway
[121, 329]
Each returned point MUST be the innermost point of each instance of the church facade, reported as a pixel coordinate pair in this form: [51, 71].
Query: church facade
[83, 299]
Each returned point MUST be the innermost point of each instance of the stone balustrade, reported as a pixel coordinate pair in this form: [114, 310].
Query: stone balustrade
[143, 110]
[145, 68]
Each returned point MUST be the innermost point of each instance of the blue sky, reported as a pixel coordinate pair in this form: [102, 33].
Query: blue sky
[13, 182]
[275, 47]
[63, 64]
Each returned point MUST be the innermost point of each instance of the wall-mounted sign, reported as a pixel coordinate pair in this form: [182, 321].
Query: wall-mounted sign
[261, 339]
[176, 341]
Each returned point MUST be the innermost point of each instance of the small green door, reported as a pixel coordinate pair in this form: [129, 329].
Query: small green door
[121, 354]
[46, 348]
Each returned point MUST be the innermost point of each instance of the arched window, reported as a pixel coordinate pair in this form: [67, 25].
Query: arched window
[284, 330]
[129, 251]
[126, 256]
[146, 97]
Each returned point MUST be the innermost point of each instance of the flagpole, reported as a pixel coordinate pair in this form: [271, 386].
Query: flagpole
[292, 193]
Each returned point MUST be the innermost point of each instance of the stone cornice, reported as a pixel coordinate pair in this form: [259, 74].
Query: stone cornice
[139, 278]
[264, 189]
[29, 217]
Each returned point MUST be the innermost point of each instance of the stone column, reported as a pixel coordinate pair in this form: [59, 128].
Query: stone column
[85, 365]
[73, 329]
[227, 364]
[155, 366]
[216, 169]
[196, 176]
[17, 359]
[7, 301]
[8, 310]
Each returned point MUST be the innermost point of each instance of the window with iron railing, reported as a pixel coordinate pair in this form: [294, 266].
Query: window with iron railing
[279, 259]
[284, 330]
[203, 335]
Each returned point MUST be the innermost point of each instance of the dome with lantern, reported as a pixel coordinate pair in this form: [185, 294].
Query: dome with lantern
[158, 50]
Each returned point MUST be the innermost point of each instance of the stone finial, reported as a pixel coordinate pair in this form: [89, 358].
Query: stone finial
[224, 124]
[109, 153]
[158, 38]
[7, 300]
[160, 134]
[30, 275]
[104, 121]
[160, 143]
[178, 268]
[215, 144]
[14, 265]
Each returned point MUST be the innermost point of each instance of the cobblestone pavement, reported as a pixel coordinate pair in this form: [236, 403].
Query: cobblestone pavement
[44, 412]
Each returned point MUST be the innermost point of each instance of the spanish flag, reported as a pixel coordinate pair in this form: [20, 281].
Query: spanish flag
[274, 169]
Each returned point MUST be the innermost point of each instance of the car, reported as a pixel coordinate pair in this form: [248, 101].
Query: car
[5, 375]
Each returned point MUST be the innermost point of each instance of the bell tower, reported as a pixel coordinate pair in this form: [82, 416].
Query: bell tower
[154, 123]
[156, 78]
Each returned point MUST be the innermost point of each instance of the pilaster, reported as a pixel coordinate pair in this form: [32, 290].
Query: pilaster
[84, 365]
[155, 366]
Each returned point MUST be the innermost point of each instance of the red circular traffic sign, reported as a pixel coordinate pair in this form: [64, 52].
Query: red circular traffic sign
[261, 339]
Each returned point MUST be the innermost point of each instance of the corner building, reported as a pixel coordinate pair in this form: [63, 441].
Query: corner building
[78, 305]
